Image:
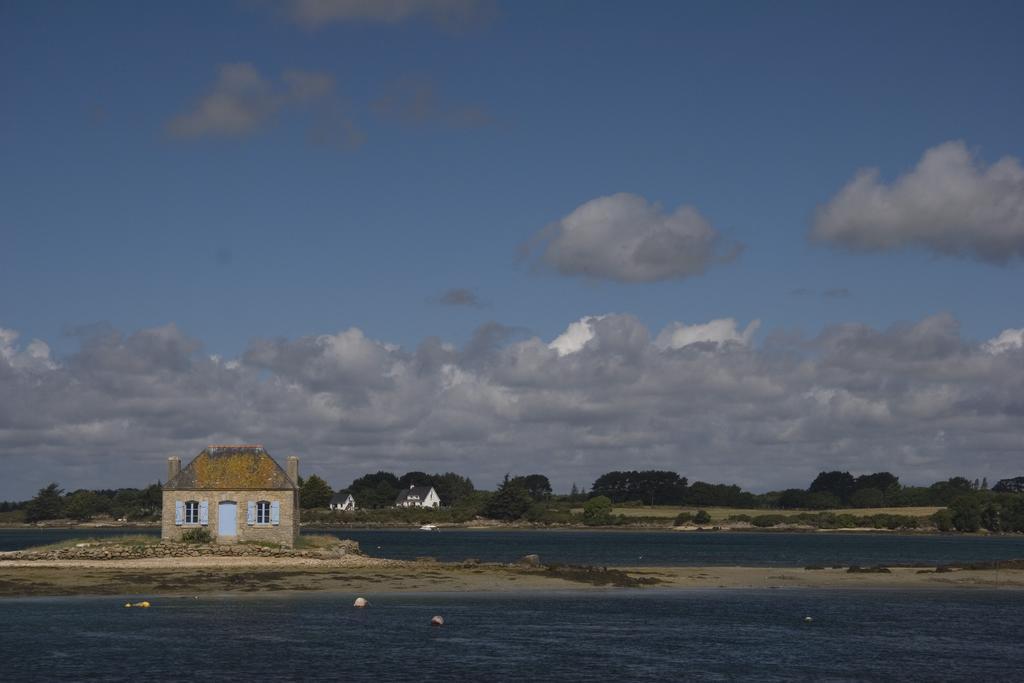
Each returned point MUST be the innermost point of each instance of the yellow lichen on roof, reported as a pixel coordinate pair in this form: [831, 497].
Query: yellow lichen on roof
[232, 467]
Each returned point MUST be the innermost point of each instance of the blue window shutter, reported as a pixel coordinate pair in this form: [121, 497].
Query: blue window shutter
[250, 513]
[204, 512]
[275, 512]
[179, 512]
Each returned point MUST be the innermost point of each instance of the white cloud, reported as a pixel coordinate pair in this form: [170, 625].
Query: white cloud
[35, 357]
[624, 237]
[719, 331]
[603, 395]
[1008, 340]
[950, 204]
[575, 336]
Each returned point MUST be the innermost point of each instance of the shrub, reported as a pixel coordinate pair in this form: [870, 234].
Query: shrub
[198, 534]
[682, 519]
[768, 520]
[597, 511]
[943, 520]
[702, 517]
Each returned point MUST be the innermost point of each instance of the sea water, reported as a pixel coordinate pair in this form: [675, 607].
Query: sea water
[633, 548]
[615, 635]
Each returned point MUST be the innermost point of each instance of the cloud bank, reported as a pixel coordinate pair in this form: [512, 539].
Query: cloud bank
[917, 399]
[625, 238]
[951, 204]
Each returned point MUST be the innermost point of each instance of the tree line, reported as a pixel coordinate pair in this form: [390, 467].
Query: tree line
[52, 502]
[971, 504]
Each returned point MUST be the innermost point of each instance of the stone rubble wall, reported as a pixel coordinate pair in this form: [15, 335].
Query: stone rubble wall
[102, 551]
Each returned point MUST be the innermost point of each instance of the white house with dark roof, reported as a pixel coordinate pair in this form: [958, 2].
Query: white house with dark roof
[418, 497]
[342, 501]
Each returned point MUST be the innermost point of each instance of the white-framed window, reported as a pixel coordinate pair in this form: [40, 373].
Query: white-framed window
[263, 512]
[192, 512]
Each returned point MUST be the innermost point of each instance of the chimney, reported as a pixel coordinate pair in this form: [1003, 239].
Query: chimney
[293, 468]
[173, 467]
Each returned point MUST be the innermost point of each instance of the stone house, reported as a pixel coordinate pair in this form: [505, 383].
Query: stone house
[418, 497]
[342, 501]
[236, 492]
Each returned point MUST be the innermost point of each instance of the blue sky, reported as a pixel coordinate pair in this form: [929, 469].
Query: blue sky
[344, 211]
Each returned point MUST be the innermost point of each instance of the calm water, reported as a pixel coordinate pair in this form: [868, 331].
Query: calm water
[624, 548]
[594, 636]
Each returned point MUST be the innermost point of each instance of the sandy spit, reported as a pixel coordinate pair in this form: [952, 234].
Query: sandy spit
[197, 575]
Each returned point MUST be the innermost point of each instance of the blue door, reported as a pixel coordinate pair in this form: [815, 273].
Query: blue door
[227, 519]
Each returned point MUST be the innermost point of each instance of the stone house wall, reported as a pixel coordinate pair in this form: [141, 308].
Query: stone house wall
[283, 533]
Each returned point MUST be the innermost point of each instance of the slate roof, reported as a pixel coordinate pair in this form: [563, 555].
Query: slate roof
[232, 467]
[414, 492]
[339, 497]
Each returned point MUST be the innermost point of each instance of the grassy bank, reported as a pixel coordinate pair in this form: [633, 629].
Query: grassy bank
[722, 514]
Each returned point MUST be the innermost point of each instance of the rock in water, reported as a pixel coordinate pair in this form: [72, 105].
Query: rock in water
[530, 560]
[437, 621]
[361, 603]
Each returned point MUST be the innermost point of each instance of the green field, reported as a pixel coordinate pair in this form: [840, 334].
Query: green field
[721, 514]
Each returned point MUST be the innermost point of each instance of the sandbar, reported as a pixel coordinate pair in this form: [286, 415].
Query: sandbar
[360, 574]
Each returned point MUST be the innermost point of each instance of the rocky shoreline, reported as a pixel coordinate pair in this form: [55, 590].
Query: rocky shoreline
[119, 551]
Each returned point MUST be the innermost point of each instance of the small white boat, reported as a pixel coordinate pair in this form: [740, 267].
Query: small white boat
[428, 527]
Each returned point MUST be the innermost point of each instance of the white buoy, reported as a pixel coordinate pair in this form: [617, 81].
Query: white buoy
[437, 621]
[808, 619]
[361, 603]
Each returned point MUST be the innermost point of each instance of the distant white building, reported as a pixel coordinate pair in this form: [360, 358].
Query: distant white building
[342, 501]
[418, 497]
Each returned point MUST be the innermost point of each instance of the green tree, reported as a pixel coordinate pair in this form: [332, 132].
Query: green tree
[867, 498]
[48, 504]
[702, 517]
[839, 484]
[822, 500]
[314, 493]
[792, 499]
[375, 490]
[721, 495]
[452, 488]
[886, 482]
[966, 513]
[652, 487]
[597, 511]
[943, 520]
[151, 500]
[415, 479]
[509, 502]
[991, 516]
[944, 492]
[537, 485]
[83, 505]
